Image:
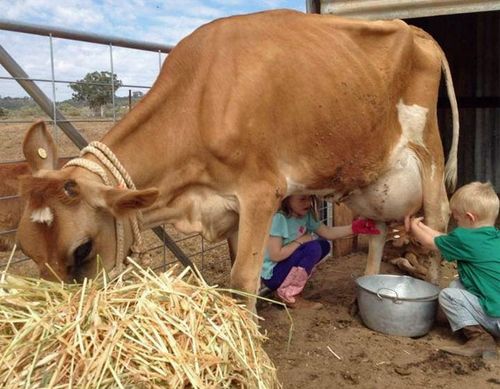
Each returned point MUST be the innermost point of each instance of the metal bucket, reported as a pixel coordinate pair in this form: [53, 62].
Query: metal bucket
[397, 305]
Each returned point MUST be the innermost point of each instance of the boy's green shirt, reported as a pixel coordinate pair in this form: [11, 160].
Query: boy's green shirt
[477, 252]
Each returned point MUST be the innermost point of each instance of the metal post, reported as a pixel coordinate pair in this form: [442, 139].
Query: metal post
[41, 99]
[112, 81]
[54, 123]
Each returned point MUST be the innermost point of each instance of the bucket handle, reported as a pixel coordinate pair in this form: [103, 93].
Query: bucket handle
[395, 300]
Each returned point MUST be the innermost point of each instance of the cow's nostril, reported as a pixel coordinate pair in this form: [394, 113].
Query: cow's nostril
[82, 252]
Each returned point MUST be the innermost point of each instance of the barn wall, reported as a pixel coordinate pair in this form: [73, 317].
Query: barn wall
[472, 45]
[400, 9]
[471, 41]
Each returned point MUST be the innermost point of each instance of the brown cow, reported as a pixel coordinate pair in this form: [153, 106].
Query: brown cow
[10, 203]
[247, 110]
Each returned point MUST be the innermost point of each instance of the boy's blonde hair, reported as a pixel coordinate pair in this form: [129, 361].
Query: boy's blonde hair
[478, 198]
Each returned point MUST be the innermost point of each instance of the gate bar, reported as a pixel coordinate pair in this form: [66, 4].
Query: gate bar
[64, 33]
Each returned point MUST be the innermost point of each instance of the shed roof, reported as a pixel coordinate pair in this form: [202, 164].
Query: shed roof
[399, 9]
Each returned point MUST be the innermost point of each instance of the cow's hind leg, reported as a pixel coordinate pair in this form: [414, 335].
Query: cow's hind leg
[436, 214]
[435, 202]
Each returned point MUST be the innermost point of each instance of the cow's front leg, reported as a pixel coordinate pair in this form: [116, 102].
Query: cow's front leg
[376, 249]
[257, 207]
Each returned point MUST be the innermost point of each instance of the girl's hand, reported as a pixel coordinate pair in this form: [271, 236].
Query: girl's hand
[364, 226]
[304, 238]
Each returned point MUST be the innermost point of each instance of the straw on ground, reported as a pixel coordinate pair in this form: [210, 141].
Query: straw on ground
[141, 330]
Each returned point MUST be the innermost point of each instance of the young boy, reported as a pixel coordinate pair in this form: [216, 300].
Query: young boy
[471, 303]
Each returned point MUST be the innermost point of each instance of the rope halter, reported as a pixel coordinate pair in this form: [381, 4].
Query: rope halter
[104, 154]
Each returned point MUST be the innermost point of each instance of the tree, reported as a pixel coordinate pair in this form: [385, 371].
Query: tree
[95, 89]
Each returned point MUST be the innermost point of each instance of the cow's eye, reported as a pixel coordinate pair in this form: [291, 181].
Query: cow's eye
[82, 252]
[71, 188]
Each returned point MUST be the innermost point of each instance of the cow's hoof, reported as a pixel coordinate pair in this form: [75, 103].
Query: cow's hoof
[409, 264]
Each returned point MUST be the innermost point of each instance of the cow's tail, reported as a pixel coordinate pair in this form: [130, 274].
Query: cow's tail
[450, 171]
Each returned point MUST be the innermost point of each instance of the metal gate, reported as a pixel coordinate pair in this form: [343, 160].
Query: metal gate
[186, 249]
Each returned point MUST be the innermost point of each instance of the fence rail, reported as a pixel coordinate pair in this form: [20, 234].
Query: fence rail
[56, 32]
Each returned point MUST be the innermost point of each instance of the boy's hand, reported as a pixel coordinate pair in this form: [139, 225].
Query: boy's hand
[422, 233]
[364, 226]
[412, 222]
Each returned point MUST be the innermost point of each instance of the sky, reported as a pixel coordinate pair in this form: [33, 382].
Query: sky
[160, 21]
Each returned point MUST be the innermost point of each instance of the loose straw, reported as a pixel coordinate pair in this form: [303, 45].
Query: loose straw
[138, 330]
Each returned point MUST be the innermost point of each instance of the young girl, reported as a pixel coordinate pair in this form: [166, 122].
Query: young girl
[292, 251]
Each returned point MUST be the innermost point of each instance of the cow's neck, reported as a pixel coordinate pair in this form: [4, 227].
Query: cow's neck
[142, 141]
[147, 144]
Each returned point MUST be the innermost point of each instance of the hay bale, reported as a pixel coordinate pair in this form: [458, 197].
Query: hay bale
[140, 330]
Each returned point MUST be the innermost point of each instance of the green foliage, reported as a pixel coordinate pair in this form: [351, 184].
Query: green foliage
[68, 109]
[13, 103]
[96, 89]
[27, 108]
[30, 111]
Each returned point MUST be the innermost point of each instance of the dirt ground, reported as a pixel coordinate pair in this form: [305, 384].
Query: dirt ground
[12, 135]
[366, 359]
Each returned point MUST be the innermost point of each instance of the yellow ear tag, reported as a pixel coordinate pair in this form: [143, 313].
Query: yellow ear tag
[42, 153]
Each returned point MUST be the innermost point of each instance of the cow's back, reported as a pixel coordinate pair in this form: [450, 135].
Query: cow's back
[308, 97]
[283, 82]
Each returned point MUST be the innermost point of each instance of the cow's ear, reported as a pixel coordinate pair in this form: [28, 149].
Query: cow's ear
[39, 148]
[117, 201]
[124, 201]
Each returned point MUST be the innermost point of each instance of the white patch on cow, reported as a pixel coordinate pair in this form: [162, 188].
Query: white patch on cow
[42, 215]
[412, 119]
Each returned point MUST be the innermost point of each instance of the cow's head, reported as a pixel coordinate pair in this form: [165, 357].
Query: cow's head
[69, 215]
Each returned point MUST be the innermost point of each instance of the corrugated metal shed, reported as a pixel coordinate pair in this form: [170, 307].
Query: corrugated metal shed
[469, 33]
[399, 9]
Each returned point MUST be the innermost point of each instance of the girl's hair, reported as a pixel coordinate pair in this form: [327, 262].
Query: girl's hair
[287, 210]
[478, 198]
